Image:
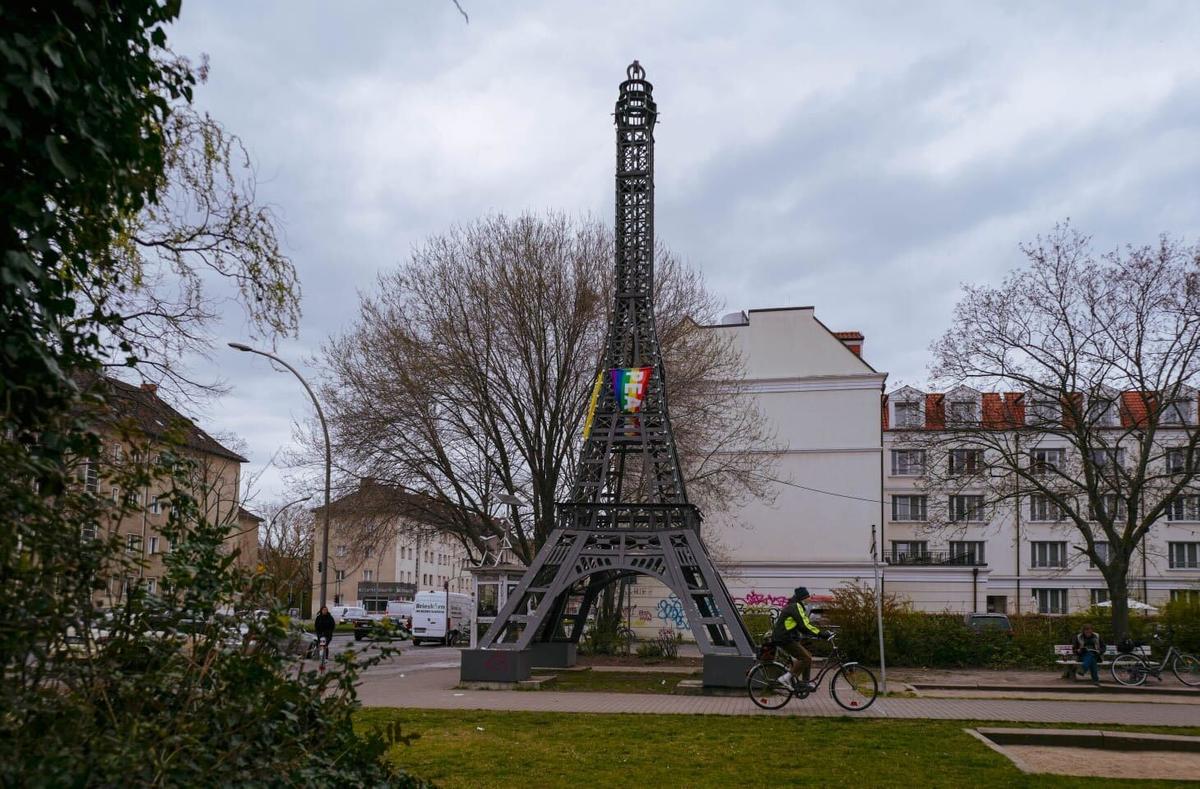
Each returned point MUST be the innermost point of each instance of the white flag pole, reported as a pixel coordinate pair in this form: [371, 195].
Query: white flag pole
[878, 608]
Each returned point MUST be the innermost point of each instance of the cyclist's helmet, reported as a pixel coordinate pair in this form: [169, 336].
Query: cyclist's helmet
[801, 593]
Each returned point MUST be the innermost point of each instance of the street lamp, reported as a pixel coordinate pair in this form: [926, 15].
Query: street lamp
[237, 346]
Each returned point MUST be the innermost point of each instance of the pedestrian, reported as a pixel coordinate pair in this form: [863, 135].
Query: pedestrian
[324, 625]
[1089, 648]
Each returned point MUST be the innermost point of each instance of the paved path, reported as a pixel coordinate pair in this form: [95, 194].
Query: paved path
[434, 689]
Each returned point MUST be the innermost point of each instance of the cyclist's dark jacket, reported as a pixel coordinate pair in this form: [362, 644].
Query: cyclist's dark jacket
[324, 624]
[793, 623]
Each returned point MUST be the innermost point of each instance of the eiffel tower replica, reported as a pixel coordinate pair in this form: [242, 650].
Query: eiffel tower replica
[628, 513]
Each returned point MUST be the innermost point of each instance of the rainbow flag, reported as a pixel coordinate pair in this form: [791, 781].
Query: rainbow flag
[629, 387]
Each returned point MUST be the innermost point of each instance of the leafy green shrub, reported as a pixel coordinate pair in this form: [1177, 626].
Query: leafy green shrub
[758, 621]
[649, 649]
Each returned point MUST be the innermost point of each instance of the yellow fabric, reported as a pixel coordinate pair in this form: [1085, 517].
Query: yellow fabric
[790, 623]
[587, 425]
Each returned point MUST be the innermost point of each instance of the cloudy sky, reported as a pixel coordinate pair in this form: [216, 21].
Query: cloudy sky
[865, 158]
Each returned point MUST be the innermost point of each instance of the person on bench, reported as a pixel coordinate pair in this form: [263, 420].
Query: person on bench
[1089, 648]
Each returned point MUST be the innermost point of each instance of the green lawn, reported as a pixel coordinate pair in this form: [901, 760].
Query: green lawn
[532, 749]
[617, 681]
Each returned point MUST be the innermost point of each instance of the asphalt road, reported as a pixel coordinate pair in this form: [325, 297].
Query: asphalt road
[410, 660]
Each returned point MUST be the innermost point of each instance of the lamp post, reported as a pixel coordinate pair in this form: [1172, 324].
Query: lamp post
[237, 346]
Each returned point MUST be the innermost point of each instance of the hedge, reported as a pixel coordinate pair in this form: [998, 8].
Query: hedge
[916, 639]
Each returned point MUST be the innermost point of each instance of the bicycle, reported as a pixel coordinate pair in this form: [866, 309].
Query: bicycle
[1131, 669]
[322, 652]
[853, 686]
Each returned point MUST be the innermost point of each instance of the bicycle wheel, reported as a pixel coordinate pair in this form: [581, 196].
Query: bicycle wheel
[1129, 670]
[765, 688]
[854, 687]
[1187, 669]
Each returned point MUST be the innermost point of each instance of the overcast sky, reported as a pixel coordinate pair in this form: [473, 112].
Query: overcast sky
[864, 158]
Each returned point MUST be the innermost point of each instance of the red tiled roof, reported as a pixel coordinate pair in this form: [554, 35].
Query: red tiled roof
[935, 411]
[885, 411]
[848, 335]
[1134, 406]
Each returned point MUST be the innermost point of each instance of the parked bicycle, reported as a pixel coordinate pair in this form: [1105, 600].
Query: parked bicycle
[853, 686]
[1131, 669]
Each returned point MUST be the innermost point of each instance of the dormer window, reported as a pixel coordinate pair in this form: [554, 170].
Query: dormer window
[1180, 411]
[1043, 410]
[962, 413]
[908, 414]
[1102, 411]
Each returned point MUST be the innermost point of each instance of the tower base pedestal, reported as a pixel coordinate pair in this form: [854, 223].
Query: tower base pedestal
[554, 654]
[496, 665]
[726, 671]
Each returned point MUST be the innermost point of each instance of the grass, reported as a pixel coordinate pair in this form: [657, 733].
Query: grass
[535, 749]
[654, 682]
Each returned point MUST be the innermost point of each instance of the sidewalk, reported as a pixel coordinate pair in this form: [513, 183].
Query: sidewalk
[435, 690]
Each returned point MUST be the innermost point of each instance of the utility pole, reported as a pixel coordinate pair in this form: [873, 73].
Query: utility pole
[878, 607]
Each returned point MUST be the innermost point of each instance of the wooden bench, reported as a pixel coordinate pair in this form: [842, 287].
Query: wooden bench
[1066, 657]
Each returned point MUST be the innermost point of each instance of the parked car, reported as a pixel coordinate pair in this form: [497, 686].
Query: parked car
[988, 622]
[355, 615]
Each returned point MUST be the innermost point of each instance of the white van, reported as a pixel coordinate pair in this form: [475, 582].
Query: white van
[429, 617]
[400, 611]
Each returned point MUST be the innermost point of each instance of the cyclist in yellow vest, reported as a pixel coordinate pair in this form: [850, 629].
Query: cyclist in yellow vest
[793, 626]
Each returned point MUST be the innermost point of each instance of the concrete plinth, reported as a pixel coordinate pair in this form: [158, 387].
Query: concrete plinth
[495, 665]
[726, 671]
[554, 654]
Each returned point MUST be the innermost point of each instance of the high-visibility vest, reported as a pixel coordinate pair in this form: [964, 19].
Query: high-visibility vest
[790, 623]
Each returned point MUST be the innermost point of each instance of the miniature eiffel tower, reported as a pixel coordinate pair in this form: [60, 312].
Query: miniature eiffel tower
[628, 512]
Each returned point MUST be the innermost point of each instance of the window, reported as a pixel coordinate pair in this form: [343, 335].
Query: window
[1044, 410]
[89, 531]
[1098, 596]
[1044, 508]
[114, 493]
[1107, 457]
[1179, 412]
[341, 552]
[1184, 508]
[1046, 461]
[908, 462]
[1190, 595]
[908, 549]
[368, 575]
[1102, 411]
[969, 552]
[151, 585]
[1176, 461]
[966, 508]
[153, 545]
[155, 506]
[1183, 555]
[1101, 551]
[1111, 505]
[133, 543]
[966, 461]
[908, 508]
[907, 414]
[339, 575]
[962, 413]
[133, 498]
[1047, 554]
[368, 552]
[89, 476]
[1051, 601]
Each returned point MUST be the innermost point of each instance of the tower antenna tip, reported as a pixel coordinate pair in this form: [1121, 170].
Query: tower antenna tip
[635, 71]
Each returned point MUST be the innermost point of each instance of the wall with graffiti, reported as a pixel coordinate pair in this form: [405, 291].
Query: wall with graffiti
[651, 606]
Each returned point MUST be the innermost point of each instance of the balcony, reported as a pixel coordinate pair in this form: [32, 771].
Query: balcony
[936, 558]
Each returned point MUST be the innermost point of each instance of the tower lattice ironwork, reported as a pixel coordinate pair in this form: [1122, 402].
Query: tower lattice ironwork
[628, 512]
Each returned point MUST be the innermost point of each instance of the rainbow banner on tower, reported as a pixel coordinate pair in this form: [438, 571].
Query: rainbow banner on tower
[629, 387]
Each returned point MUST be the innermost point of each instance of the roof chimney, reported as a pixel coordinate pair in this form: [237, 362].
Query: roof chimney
[852, 340]
[151, 388]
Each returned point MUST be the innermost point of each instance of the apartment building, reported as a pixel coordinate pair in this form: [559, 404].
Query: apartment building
[955, 541]
[135, 423]
[820, 399]
[382, 546]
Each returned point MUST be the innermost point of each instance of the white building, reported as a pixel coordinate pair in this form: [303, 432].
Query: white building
[953, 549]
[821, 398]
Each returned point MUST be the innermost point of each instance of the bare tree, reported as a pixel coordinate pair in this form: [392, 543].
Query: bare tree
[207, 230]
[469, 371]
[1099, 356]
[285, 544]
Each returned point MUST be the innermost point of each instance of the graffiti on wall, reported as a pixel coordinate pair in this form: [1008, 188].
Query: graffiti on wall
[755, 603]
[670, 610]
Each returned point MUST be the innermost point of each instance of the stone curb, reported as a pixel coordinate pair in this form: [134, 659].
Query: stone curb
[1088, 738]
[1110, 688]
